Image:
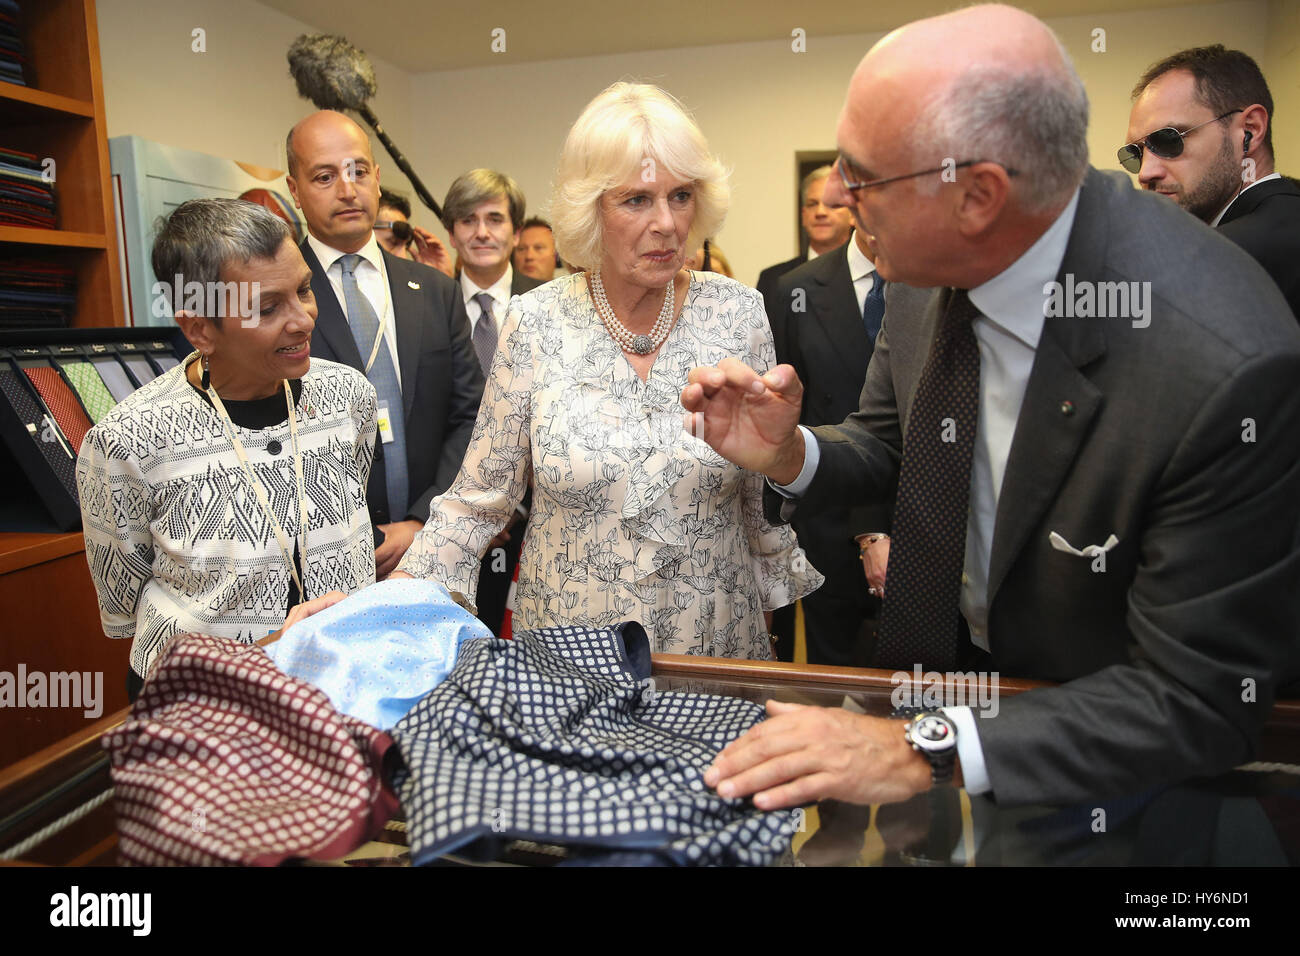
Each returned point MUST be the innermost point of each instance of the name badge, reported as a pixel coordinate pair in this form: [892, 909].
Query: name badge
[385, 426]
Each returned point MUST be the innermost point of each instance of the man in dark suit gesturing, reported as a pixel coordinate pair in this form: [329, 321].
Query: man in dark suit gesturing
[401, 322]
[1200, 132]
[833, 308]
[1095, 435]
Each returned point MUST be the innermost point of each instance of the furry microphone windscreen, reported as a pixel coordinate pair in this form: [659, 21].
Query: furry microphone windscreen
[331, 72]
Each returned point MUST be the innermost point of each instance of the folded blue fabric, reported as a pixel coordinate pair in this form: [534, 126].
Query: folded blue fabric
[377, 652]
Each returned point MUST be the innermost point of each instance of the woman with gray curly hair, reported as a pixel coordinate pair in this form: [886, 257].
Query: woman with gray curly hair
[633, 518]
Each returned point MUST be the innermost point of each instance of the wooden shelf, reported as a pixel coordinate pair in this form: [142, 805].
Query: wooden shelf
[53, 237]
[19, 101]
[27, 549]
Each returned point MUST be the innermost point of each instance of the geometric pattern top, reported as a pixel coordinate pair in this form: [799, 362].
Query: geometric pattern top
[175, 537]
[558, 737]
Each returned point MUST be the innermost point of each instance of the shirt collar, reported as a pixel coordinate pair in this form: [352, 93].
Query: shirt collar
[328, 255]
[1013, 299]
[859, 264]
[1214, 223]
[499, 290]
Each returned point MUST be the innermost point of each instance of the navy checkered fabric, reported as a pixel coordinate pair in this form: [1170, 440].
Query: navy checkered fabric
[558, 737]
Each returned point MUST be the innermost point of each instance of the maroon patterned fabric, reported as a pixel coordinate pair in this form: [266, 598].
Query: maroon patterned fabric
[62, 403]
[227, 761]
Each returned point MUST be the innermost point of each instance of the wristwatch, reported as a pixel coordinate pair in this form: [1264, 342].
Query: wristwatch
[934, 736]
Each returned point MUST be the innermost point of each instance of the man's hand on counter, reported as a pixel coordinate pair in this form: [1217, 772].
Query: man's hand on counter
[802, 754]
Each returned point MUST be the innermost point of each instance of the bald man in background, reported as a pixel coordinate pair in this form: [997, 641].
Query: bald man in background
[1077, 498]
[401, 322]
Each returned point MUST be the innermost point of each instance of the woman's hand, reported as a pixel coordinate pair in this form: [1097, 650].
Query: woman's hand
[305, 610]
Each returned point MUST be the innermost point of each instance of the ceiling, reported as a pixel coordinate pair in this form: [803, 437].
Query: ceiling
[421, 36]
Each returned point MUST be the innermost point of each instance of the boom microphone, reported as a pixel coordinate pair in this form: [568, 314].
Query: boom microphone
[335, 75]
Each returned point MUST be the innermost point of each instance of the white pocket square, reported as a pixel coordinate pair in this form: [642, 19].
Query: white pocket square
[1092, 550]
[412, 283]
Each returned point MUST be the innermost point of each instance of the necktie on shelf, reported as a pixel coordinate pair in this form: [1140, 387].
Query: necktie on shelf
[918, 622]
[114, 376]
[31, 414]
[873, 309]
[365, 327]
[91, 388]
[63, 405]
[485, 332]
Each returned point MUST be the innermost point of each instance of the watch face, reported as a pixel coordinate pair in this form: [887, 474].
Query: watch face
[933, 733]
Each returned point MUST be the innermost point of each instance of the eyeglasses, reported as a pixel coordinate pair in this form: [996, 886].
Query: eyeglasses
[402, 230]
[1166, 143]
[854, 187]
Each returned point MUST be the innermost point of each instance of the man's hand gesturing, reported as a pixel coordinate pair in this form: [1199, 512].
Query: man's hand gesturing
[748, 419]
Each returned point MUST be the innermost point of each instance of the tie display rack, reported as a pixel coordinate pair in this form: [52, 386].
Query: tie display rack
[55, 384]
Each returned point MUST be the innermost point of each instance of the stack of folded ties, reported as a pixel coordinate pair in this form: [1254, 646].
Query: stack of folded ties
[36, 295]
[13, 53]
[26, 196]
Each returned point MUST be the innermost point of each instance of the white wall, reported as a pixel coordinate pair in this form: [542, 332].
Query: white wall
[235, 100]
[758, 103]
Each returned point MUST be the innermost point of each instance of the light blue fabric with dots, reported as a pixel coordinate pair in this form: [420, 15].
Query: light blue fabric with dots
[377, 652]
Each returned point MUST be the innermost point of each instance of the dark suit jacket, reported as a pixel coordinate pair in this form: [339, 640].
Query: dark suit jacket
[827, 344]
[442, 384]
[520, 283]
[1265, 221]
[766, 286]
[1173, 652]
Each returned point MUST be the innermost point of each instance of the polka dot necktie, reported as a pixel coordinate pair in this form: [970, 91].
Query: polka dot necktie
[918, 622]
[485, 332]
[35, 421]
[63, 405]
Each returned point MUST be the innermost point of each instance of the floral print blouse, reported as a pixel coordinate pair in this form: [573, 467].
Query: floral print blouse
[632, 518]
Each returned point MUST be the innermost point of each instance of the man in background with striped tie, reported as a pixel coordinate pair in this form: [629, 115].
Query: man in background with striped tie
[483, 214]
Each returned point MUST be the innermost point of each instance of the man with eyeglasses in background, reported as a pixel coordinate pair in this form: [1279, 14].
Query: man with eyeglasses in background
[397, 234]
[1200, 132]
[1076, 498]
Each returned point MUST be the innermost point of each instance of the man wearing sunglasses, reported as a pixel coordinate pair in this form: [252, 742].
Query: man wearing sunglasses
[1200, 133]
[398, 236]
[1076, 498]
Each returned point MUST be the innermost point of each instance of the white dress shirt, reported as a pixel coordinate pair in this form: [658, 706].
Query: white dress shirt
[861, 270]
[372, 281]
[1007, 331]
[499, 290]
[1214, 223]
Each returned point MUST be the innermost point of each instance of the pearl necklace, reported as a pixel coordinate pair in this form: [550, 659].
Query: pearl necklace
[636, 344]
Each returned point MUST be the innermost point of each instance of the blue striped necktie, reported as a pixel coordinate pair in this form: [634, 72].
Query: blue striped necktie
[365, 327]
[873, 309]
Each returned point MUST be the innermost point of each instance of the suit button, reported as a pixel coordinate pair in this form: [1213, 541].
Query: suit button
[273, 447]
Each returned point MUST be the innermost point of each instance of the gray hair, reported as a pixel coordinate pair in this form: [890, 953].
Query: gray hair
[1033, 121]
[626, 127]
[202, 235]
[820, 173]
[478, 186]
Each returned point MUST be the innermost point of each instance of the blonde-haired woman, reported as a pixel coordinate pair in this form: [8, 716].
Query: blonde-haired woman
[633, 519]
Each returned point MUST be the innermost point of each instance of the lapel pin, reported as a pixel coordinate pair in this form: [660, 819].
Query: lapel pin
[412, 283]
[1067, 408]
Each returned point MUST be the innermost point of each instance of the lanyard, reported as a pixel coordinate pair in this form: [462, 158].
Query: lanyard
[256, 485]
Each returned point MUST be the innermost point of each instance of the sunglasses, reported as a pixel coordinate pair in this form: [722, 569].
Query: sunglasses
[1166, 143]
[402, 230]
